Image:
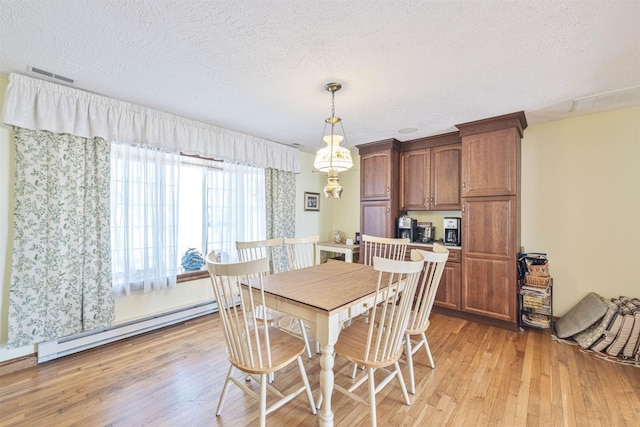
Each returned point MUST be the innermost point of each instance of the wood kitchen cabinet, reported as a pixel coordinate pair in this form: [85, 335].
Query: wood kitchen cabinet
[430, 177]
[448, 295]
[379, 177]
[490, 217]
[489, 242]
[378, 218]
[415, 180]
[475, 170]
[379, 171]
[491, 163]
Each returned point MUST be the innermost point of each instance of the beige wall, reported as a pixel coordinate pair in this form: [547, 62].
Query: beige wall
[581, 203]
[309, 223]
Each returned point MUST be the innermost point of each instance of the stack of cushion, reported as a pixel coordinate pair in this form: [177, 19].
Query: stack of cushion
[611, 327]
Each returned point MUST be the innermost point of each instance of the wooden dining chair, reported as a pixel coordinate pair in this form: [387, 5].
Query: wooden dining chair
[301, 253]
[377, 345]
[253, 346]
[434, 263]
[383, 247]
[272, 250]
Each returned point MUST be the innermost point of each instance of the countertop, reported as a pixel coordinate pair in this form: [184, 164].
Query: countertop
[430, 245]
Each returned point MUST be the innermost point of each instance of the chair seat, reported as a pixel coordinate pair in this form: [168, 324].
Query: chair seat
[285, 348]
[269, 314]
[352, 343]
[417, 331]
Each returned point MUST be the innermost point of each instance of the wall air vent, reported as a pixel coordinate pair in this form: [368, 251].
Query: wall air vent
[51, 75]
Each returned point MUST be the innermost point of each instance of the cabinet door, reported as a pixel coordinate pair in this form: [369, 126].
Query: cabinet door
[489, 253]
[445, 177]
[377, 218]
[448, 294]
[375, 175]
[415, 180]
[490, 163]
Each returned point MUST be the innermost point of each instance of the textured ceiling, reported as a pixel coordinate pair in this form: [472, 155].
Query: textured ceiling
[259, 67]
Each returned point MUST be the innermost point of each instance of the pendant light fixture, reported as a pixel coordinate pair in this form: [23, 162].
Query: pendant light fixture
[333, 158]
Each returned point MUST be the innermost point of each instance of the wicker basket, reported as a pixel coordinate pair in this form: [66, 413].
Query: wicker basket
[530, 301]
[537, 281]
[538, 270]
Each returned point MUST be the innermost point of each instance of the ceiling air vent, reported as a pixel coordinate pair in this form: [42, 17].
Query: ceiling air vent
[51, 75]
[607, 101]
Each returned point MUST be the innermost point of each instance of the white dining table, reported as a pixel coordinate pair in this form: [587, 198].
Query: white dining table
[324, 295]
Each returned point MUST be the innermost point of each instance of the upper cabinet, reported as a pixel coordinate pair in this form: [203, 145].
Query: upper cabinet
[378, 170]
[445, 177]
[415, 180]
[430, 173]
[491, 156]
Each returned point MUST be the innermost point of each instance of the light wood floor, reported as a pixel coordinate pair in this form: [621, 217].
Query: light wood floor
[172, 377]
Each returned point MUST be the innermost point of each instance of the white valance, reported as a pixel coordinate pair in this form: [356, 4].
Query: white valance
[40, 105]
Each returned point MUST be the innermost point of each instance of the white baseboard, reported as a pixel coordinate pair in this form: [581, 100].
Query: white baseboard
[68, 345]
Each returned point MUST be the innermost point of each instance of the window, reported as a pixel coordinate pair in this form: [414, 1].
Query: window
[220, 203]
[165, 204]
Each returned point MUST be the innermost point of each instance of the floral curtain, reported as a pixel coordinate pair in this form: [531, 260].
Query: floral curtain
[61, 268]
[280, 188]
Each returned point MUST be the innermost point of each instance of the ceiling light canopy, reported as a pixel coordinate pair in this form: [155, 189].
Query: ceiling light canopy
[333, 158]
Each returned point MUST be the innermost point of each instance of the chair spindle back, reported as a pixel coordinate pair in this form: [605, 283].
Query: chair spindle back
[383, 247]
[270, 249]
[301, 251]
[384, 339]
[246, 336]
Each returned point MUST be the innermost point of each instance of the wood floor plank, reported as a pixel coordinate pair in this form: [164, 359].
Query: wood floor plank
[173, 377]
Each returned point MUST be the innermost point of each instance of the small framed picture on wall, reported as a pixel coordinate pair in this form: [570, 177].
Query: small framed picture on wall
[311, 201]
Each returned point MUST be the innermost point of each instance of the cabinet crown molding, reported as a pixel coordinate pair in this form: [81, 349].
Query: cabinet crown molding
[431, 141]
[513, 120]
[385, 144]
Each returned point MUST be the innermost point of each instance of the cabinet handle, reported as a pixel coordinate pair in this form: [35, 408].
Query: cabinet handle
[387, 189]
[464, 184]
[426, 200]
[388, 210]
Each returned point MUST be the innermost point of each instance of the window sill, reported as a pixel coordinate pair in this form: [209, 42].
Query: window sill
[192, 275]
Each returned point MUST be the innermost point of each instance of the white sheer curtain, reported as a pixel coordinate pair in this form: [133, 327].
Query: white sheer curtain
[144, 218]
[236, 208]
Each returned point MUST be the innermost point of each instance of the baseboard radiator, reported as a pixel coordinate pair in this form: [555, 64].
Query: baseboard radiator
[72, 344]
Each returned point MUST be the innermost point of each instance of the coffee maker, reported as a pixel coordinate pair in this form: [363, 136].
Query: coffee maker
[452, 230]
[407, 228]
[426, 232]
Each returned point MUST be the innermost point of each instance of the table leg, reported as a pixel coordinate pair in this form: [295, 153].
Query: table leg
[327, 331]
[326, 385]
[348, 256]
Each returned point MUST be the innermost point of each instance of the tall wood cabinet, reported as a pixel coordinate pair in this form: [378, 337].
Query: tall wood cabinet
[490, 216]
[379, 177]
